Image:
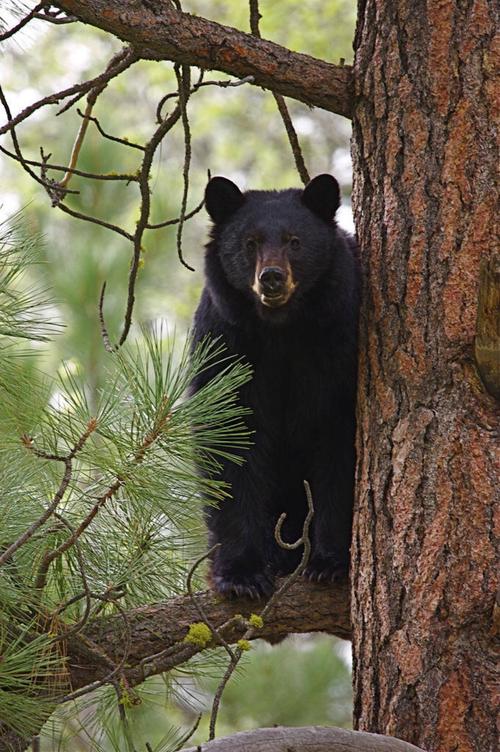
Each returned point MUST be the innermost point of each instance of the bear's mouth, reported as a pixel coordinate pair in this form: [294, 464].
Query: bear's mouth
[274, 300]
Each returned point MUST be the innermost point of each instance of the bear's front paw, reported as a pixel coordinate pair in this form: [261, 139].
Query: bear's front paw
[326, 569]
[255, 585]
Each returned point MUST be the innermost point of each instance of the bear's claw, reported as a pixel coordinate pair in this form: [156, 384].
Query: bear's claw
[325, 570]
[251, 586]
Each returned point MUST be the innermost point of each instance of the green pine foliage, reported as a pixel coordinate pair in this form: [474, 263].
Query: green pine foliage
[118, 478]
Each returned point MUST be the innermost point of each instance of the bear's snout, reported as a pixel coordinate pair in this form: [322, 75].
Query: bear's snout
[272, 280]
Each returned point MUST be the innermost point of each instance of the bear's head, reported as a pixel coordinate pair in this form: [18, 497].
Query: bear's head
[271, 246]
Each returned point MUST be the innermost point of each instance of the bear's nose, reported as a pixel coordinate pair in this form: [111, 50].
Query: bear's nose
[272, 279]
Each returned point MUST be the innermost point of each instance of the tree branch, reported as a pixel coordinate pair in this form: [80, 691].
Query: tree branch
[487, 341]
[305, 739]
[157, 632]
[159, 31]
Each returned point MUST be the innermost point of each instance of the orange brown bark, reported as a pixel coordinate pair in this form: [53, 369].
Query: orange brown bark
[425, 548]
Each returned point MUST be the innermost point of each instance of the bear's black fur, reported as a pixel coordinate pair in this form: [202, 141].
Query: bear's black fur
[282, 291]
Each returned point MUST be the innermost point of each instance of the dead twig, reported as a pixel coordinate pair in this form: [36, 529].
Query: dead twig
[273, 600]
[300, 164]
[123, 141]
[128, 177]
[123, 60]
[203, 614]
[47, 184]
[32, 14]
[183, 77]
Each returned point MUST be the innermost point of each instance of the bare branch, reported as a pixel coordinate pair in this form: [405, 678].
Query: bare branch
[55, 17]
[47, 184]
[149, 153]
[95, 220]
[32, 14]
[123, 141]
[161, 32]
[305, 739]
[61, 168]
[176, 221]
[183, 81]
[91, 100]
[255, 17]
[123, 60]
[158, 631]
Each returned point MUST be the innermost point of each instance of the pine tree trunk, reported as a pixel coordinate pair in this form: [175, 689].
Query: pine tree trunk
[424, 557]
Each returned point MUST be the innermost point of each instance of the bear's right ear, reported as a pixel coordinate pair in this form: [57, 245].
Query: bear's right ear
[322, 196]
[222, 198]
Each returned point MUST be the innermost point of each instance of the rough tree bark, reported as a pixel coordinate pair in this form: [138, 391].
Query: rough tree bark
[305, 739]
[155, 629]
[161, 32]
[423, 561]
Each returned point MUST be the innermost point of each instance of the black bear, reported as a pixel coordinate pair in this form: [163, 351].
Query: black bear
[282, 292]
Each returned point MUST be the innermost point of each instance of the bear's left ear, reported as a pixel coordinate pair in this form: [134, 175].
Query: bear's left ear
[322, 196]
[222, 198]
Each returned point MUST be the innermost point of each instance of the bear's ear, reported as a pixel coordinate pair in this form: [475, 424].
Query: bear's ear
[322, 196]
[222, 198]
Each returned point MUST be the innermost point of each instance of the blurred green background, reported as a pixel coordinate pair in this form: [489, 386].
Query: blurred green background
[236, 132]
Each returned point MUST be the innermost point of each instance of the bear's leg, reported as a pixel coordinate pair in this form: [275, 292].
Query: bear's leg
[332, 487]
[242, 526]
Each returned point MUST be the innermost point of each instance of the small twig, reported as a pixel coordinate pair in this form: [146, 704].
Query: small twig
[188, 734]
[126, 53]
[149, 152]
[183, 74]
[87, 594]
[22, 22]
[77, 532]
[95, 220]
[101, 655]
[123, 60]
[176, 221]
[198, 85]
[104, 332]
[47, 184]
[224, 84]
[68, 469]
[137, 458]
[103, 133]
[129, 177]
[91, 100]
[292, 138]
[54, 17]
[255, 17]
[201, 611]
[250, 632]
[175, 95]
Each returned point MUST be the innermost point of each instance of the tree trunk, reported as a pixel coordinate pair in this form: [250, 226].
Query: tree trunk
[423, 570]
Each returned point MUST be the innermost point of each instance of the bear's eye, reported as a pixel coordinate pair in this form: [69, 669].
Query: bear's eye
[251, 245]
[294, 243]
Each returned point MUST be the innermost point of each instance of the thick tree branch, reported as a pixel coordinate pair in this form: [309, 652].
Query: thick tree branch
[487, 341]
[159, 31]
[157, 632]
[305, 739]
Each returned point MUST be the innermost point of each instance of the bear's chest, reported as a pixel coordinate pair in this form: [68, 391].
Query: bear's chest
[293, 391]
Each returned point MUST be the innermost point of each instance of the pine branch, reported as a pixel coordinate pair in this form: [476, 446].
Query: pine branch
[157, 632]
[159, 31]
